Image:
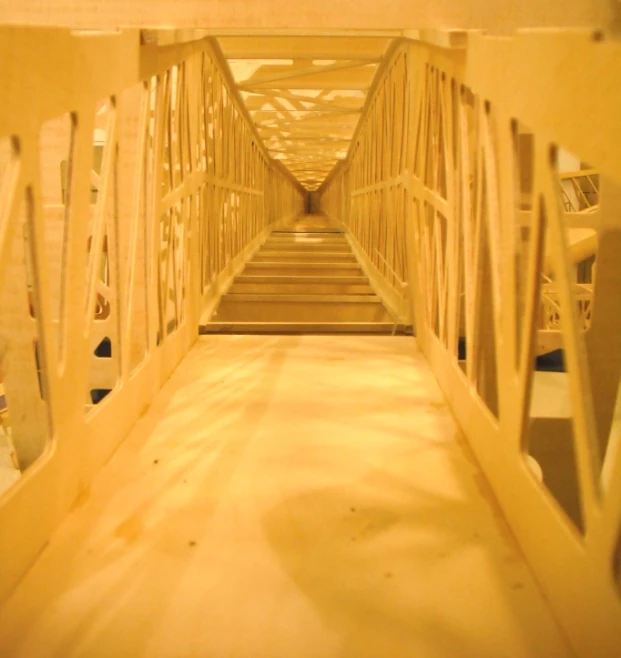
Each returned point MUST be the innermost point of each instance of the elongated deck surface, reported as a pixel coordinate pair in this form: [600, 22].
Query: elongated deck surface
[286, 497]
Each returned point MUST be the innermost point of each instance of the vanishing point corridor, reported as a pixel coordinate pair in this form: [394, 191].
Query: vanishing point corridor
[309, 329]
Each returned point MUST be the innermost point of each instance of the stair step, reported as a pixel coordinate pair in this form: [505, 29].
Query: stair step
[326, 269]
[296, 246]
[305, 245]
[316, 266]
[381, 328]
[327, 237]
[302, 262]
[259, 278]
[328, 232]
[302, 259]
[302, 282]
[300, 288]
[300, 251]
[300, 308]
[308, 299]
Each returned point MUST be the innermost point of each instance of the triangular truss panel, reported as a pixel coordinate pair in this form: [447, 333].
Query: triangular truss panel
[305, 95]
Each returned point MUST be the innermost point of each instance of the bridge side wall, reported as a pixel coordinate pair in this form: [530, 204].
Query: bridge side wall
[130, 176]
[452, 185]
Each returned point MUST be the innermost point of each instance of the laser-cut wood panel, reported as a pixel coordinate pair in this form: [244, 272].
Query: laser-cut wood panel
[369, 194]
[305, 104]
[492, 247]
[241, 17]
[117, 161]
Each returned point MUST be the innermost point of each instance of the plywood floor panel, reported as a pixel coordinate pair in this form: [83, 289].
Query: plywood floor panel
[286, 497]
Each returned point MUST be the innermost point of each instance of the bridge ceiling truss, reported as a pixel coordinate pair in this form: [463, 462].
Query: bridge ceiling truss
[305, 95]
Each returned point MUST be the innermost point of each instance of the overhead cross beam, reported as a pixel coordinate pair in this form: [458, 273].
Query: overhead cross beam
[305, 95]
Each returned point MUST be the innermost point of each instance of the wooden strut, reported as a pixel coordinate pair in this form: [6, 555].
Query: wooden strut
[455, 200]
[143, 224]
[450, 184]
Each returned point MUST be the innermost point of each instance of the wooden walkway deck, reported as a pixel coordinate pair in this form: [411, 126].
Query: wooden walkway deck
[286, 497]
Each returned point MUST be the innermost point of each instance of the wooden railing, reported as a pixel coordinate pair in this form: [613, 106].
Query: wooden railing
[580, 190]
[458, 179]
[130, 177]
[368, 195]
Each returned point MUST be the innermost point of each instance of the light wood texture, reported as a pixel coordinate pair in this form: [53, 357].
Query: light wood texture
[309, 16]
[286, 496]
[275, 289]
[134, 185]
[464, 198]
[110, 154]
[305, 104]
[304, 329]
[368, 194]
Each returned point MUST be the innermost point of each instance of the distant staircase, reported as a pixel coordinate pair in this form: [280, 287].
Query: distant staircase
[305, 279]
